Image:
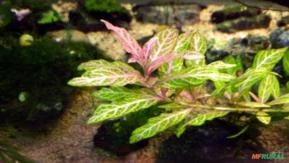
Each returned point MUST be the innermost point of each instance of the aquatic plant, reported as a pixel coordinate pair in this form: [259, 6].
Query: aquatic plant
[49, 65]
[104, 6]
[170, 73]
[48, 17]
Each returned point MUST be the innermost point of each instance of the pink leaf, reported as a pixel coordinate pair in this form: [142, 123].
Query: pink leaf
[130, 44]
[148, 47]
[21, 14]
[161, 60]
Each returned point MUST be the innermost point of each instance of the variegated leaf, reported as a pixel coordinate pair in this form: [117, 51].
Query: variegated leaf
[183, 45]
[219, 65]
[269, 58]
[162, 60]
[119, 93]
[199, 44]
[244, 83]
[253, 104]
[236, 61]
[268, 86]
[284, 99]
[263, 117]
[220, 88]
[165, 44]
[121, 108]
[148, 47]
[171, 106]
[199, 120]
[195, 76]
[129, 43]
[106, 74]
[285, 62]
[158, 124]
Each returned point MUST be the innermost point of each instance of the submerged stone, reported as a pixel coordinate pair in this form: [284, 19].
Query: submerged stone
[233, 12]
[279, 38]
[168, 14]
[261, 21]
[283, 21]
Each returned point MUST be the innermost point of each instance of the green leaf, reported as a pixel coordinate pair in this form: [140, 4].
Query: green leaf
[200, 46]
[104, 73]
[195, 76]
[239, 133]
[200, 119]
[184, 42]
[119, 93]
[268, 86]
[220, 87]
[219, 65]
[171, 106]
[244, 83]
[285, 63]
[121, 108]
[48, 17]
[166, 42]
[180, 45]
[236, 61]
[287, 118]
[269, 58]
[263, 117]
[284, 99]
[253, 104]
[158, 124]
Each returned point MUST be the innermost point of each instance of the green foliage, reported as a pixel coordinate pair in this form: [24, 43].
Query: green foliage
[33, 78]
[286, 64]
[104, 6]
[173, 79]
[104, 73]
[5, 14]
[48, 17]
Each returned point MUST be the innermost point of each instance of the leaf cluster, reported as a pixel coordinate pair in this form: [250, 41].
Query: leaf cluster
[174, 78]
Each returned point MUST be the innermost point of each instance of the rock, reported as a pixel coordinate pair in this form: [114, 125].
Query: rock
[284, 21]
[247, 46]
[168, 14]
[218, 50]
[68, 35]
[110, 10]
[279, 38]
[63, 9]
[84, 22]
[233, 12]
[107, 42]
[208, 143]
[261, 21]
[255, 43]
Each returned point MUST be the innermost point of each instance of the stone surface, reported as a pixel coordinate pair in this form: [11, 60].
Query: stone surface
[168, 14]
[233, 12]
[68, 35]
[107, 42]
[279, 38]
[63, 8]
[243, 23]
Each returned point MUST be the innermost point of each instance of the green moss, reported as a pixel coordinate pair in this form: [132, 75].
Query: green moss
[5, 14]
[104, 6]
[41, 71]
